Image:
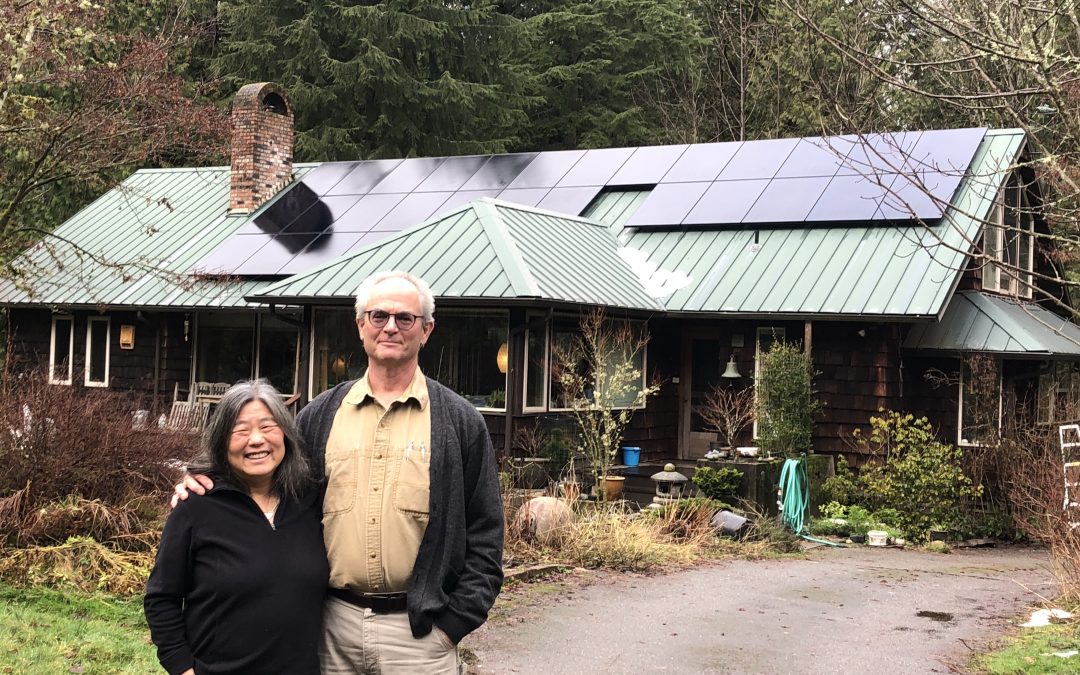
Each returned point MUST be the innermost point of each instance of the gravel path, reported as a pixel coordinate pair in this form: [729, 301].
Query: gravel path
[852, 610]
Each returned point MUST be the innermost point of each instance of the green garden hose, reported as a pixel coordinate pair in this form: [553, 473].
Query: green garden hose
[793, 498]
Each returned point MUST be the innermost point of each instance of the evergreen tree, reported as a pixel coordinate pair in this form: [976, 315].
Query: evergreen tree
[383, 79]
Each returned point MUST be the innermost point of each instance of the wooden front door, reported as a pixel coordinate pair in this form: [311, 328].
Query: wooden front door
[703, 359]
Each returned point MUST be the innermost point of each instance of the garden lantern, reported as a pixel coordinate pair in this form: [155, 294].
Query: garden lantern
[669, 486]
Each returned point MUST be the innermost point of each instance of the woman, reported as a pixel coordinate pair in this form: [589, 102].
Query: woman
[240, 574]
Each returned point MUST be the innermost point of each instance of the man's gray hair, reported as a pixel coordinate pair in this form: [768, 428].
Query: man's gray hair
[427, 300]
[290, 478]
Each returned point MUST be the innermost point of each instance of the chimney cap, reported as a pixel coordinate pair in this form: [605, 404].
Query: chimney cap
[266, 95]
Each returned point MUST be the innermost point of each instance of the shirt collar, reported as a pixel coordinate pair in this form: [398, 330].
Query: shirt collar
[360, 393]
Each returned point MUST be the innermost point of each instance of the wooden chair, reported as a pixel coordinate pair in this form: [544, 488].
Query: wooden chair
[188, 416]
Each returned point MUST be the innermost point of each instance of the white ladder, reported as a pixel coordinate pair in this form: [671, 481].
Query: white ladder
[1070, 460]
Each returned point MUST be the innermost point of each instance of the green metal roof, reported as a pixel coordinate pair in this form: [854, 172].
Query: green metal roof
[981, 322]
[487, 250]
[135, 246]
[874, 270]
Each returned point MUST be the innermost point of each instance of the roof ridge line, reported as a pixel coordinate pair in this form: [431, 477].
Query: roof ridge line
[506, 249]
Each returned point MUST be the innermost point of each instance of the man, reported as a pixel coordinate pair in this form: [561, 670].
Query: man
[412, 516]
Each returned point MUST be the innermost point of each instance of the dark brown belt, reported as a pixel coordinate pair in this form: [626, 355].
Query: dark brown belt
[377, 602]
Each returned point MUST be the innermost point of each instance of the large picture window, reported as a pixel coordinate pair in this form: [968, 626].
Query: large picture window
[463, 353]
[337, 355]
[225, 344]
[980, 401]
[61, 346]
[536, 363]
[279, 342]
[564, 333]
[97, 352]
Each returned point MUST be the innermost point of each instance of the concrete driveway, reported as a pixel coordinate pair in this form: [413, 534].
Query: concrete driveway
[852, 610]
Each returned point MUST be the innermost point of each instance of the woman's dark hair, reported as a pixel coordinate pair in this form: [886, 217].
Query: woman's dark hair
[290, 478]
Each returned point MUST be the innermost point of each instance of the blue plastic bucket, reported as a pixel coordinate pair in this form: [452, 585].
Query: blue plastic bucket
[631, 455]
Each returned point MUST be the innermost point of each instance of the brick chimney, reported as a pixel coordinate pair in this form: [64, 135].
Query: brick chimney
[262, 145]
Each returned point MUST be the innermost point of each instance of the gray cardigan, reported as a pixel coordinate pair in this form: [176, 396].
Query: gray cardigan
[458, 569]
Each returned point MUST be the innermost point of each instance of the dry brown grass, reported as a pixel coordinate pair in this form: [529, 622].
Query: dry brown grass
[80, 563]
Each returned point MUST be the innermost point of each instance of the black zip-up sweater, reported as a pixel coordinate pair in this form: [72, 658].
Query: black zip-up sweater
[229, 593]
[458, 569]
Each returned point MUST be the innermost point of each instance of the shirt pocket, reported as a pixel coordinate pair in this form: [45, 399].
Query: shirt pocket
[412, 490]
[341, 477]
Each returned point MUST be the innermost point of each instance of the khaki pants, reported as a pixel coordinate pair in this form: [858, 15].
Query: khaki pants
[357, 640]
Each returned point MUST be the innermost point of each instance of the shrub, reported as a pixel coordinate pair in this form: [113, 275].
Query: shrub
[918, 477]
[842, 487]
[71, 464]
[786, 403]
[720, 484]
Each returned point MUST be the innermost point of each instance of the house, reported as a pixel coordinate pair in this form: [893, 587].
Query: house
[892, 258]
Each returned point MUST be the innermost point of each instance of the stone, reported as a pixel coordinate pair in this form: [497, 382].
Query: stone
[544, 519]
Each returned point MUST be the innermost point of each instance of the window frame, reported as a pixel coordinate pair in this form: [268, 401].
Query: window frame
[1061, 380]
[257, 360]
[90, 321]
[545, 341]
[1009, 242]
[71, 350]
[777, 332]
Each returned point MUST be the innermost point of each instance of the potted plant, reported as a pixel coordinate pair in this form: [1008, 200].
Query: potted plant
[786, 402]
[603, 386]
[727, 411]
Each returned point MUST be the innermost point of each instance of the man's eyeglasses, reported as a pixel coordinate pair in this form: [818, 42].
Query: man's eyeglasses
[379, 317]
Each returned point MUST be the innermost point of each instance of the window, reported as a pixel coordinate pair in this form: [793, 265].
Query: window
[337, 355]
[279, 343]
[980, 401]
[536, 362]
[1059, 392]
[224, 346]
[767, 336]
[61, 346]
[563, 336]
[97, 351]
[1009, 243]
[463, 354]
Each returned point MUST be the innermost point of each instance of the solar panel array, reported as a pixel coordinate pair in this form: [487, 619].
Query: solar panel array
[340, 207]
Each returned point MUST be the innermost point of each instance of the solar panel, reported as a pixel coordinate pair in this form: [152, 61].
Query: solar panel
[524, 196]
[922, 195]
[322, 216]
[668, 204]
[230, 253]
[847, 198]
[760, 159]
[412, 210]
[409, 174]
[279, 251]
[452, 174]
[596, 167]
[948, 151]
[787, 200]
[368, 211]
[569, 200]
[339, 243]
[365, 176]
[702, 162]
[499, 171]
[812, 157]
[547, 169]
[324, 177]
[647, 165]
[725, 202]
[877, 154]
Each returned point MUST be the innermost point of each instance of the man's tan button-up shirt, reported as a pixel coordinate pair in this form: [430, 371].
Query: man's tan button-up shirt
[376, 505]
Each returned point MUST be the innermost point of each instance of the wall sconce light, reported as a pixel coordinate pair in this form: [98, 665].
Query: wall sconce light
[861, 332]
[732, 370]
[338, 366]
[502, 359]
[127, 336]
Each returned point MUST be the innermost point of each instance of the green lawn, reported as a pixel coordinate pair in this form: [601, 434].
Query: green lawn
[1031, 652]
[46, 631]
